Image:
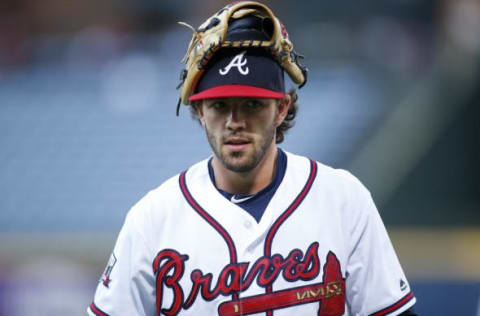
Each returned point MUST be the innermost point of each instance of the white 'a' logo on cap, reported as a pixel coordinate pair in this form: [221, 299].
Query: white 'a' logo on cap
[238, 61]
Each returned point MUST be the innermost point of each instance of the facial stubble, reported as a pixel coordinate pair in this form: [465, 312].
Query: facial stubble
[259, 151]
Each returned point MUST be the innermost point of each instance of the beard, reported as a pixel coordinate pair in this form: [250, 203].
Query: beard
[242, 161]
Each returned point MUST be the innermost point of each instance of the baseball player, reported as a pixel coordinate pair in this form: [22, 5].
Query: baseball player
[253, 229]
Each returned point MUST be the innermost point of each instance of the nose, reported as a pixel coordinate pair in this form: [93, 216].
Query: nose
[235, 119]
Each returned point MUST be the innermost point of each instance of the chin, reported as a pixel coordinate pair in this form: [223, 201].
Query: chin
[239, 168]
[238, 164]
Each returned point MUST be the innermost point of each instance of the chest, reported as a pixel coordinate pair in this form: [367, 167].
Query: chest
[217, 259]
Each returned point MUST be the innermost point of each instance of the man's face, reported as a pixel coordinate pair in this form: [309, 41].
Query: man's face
[241, 130]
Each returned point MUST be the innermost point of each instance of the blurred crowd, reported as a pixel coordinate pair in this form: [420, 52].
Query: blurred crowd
[403, 36]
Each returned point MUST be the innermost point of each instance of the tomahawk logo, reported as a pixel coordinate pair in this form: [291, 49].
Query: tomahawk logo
[238, 61]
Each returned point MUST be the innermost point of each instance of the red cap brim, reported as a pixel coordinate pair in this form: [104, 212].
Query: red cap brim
[236, 91]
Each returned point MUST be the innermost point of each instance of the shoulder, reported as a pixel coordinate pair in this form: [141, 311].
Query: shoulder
[167, 196]
[341, 180]
[338, 188]
[343, 194]
[335, 179]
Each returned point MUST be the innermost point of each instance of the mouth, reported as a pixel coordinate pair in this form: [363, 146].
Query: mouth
[237, 143]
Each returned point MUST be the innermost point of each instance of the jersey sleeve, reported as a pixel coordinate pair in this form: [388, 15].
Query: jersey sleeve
[127, 285]
[376, 283]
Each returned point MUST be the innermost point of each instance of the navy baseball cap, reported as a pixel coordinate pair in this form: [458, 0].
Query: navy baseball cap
[241, 72]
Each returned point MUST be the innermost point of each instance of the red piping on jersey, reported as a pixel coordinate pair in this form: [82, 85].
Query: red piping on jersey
[286, 214]
[407, 298]
[231, 245]
[97, 310]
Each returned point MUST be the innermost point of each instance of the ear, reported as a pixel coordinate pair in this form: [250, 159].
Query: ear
[283, 106]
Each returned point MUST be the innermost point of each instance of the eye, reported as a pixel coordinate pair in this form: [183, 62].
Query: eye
[218, 105]
[253, 104]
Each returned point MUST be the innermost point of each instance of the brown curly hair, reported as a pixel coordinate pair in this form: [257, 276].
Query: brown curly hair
[287, 123]
[289, 120]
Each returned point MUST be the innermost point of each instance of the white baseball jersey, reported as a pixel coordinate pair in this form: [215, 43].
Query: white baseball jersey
[320, 248]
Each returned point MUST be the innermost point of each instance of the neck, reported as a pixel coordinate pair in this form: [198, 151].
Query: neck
[249, 182]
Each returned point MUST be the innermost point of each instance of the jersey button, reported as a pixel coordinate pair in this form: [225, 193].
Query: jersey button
[247, 224]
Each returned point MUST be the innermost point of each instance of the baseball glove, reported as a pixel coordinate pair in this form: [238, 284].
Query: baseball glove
[216, 33]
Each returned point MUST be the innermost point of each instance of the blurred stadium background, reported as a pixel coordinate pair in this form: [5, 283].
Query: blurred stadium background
[88, 126]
